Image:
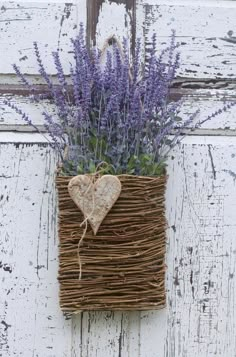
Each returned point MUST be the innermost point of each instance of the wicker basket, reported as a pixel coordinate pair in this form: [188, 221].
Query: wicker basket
[123, 266]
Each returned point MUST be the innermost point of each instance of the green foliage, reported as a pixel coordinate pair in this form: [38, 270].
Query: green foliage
[146, 165]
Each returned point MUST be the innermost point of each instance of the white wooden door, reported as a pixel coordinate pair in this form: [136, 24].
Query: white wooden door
[200, 317]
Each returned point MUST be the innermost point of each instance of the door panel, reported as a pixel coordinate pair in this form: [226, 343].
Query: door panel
[200, 198]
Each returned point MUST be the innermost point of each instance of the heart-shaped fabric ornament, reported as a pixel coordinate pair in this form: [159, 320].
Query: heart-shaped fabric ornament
[94, 199]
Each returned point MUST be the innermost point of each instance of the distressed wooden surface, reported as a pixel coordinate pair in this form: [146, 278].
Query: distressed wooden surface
[202, 249]
[207, 101]
[205, 29]
[118, 17]
[201, 261]
[51, 24]
[30, 320]
[199, 320]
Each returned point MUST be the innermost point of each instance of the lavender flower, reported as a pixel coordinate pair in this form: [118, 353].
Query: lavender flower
[119, 113]
[23, 79]
[60, 72]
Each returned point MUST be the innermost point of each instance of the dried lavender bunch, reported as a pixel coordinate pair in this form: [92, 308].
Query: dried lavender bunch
[118, 113]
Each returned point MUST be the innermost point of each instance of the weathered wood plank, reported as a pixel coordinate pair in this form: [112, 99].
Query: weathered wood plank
[218, 3]
[153, 327]
[207, 101]
[201, 260]
[204, 29]
[200, 318]
[106, 334]
[51, 24]
[95, 7]
[31, 323]
[201, 257]
[200, 202]
[118, 17]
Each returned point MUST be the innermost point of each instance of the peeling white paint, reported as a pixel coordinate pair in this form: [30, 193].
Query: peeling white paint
[116, 20]
[206, 101]
[199, 320]
[31, 323]
[208, 49]
[201, 261]
[204, 3]
[201, 256]
[50, 24]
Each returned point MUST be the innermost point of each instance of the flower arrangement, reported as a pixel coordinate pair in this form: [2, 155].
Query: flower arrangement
[112, 115]
[111, 108]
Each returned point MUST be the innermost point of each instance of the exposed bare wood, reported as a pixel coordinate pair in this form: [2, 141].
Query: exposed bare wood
[204, 100]
[205, 31]
[93, 10]
[180, 87]
[200, 200]
[50, 24]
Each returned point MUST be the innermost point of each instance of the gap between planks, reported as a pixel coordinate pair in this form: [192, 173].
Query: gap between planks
[196, 3]
[26, 134]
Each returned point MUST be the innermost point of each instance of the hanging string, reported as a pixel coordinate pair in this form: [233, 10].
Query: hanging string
[101, 167]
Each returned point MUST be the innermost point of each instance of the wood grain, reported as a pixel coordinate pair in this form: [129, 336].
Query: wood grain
[201, 259]
[200, 318]
[205, 31]
[50, 24]
[93, 12]
[205, 100]
[31, 323]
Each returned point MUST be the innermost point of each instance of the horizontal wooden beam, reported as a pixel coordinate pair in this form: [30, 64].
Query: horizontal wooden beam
[26, 129]
[181, 87]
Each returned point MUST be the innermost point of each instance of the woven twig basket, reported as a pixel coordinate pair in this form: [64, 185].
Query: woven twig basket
[123, 266]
